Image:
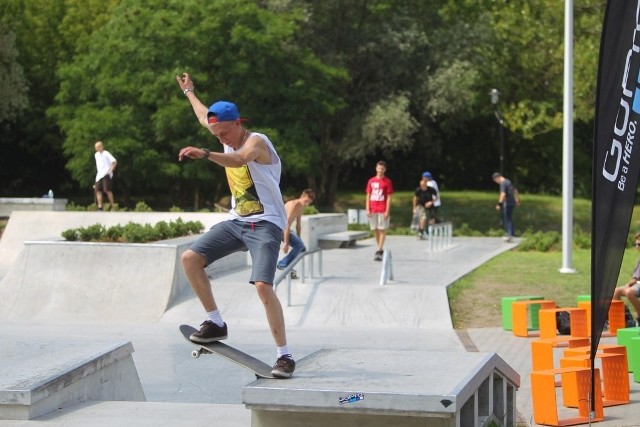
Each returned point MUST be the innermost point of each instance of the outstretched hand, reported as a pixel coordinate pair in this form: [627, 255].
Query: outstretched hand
[185, 82]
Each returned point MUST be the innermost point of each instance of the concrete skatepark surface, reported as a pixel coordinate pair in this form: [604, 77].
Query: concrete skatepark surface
[345, 309]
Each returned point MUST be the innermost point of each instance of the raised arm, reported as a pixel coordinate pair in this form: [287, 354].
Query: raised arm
[187, 87]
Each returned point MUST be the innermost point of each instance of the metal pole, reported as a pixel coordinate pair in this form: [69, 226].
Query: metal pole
[501, 148]
[495, 98]
[567, 146]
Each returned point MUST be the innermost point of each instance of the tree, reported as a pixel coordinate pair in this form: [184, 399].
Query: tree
[31, 160]
[13, 84]
[121, 88]
[518, 47]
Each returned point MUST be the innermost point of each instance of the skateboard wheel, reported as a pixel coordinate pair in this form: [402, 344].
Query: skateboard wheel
[195, 354]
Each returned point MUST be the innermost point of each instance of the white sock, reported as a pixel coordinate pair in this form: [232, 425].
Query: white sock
[215, 317]
[283, 351]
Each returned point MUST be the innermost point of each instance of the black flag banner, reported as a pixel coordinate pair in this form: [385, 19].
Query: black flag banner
[616, 151]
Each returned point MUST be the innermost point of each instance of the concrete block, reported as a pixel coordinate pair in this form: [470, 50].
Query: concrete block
[43, 376]
[382, 387]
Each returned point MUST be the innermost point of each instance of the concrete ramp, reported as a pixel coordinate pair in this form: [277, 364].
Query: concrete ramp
[98, 281]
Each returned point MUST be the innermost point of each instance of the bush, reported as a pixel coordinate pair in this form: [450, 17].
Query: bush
[73, 207]
[142, 207]
[134, 233]
[540, 241]
[71, 235]
[93, 233]
[310, 210]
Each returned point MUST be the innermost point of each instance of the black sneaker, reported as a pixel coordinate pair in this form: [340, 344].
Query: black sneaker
[284, 367]
[294, 275]
[378, 256]
[209, 332]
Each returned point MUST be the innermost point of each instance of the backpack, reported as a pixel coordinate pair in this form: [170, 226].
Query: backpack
[629, 321]
[563, 323]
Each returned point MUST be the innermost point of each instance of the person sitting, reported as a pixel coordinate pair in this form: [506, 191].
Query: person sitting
[631, 290]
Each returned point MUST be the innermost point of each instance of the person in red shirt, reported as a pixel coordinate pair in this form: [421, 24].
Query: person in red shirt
[378, 205]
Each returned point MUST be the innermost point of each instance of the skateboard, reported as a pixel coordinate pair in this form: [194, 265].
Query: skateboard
[259, 368]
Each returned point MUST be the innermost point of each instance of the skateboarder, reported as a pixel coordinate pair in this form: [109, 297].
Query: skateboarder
[256, 222]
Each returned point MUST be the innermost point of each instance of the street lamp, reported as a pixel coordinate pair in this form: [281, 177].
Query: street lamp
[495, 98]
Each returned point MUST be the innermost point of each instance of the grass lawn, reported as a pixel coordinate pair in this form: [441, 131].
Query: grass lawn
[475, 299]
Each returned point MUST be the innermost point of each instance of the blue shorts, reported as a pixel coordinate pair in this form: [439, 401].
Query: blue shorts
[262, 240]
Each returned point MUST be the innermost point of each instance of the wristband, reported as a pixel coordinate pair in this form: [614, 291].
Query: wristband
[206, 153]
[186, 91]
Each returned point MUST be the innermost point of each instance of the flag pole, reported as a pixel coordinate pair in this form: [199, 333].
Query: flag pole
[567, 144]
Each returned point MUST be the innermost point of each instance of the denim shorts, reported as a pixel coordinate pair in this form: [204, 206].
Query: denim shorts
[262, 240]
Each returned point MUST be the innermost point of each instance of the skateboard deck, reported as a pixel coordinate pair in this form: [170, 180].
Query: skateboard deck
[259, 368]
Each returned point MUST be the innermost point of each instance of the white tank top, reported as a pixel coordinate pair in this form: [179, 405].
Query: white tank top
[255, 189]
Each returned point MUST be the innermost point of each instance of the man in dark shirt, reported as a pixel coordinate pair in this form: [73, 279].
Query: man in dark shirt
[423, 199]
[507, 201]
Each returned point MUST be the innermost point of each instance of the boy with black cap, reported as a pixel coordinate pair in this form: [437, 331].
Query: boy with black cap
[256, 221]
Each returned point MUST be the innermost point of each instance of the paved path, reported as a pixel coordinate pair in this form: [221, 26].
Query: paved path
[346, 309]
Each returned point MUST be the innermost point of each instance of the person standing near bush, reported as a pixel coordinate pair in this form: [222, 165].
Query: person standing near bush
[105, 165]
[257, 219]
[631, 289]
[507, 201]
[378, 205]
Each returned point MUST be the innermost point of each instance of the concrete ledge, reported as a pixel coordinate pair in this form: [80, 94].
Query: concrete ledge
[32, 226]
[10, 204]
[367, 384]
[341, 239]
[39, 377]
[313, 227]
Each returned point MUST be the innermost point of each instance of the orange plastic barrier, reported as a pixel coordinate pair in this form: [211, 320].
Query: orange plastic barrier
[520, 321]
[542, 349]
[575, 382]
[615, 378]
[615, 317]
[548, 326]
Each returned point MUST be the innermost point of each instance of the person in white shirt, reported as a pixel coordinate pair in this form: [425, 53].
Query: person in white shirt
[105, 165]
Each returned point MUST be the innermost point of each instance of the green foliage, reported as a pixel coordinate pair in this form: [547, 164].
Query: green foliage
[134, 233]
[323, 79]
[92, 233]
[541, 241]
[71, 235]
[71, 206]
[12, 81]
[143, 118]
[142, 207]
[310, 210]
